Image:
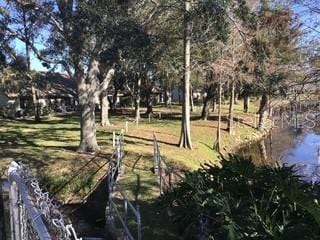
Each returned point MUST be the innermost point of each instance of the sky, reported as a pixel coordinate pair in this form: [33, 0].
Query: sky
[35, 63]
[311, 24]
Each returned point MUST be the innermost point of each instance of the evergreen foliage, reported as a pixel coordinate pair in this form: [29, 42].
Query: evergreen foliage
[241, 201]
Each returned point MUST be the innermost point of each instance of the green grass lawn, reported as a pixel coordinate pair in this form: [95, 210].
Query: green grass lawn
[50, 149]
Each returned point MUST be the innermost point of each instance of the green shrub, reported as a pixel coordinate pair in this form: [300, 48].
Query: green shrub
[241, 201]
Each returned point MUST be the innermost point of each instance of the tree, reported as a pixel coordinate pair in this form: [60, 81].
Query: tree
[82, 33]
[185, 136]
[274, 50]
[210, 94]
[27, 24]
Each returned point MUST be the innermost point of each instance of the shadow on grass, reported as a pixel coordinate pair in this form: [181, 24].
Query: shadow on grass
[147, 140]
[46, 137]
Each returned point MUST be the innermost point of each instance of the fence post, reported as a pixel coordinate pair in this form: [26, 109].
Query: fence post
[160, 174]
[126, 211]
[126, 129]
[155, 154]
[109, 208]
[113, 139]
[21, 220]
[122, 146]
[170, 171]
[14, 211]
[139, 222]
[118, 164]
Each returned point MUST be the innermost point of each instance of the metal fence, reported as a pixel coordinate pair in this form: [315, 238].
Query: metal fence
[33, 214]
[119, 208]
[168, 177]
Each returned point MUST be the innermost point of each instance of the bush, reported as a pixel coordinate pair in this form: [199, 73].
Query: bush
[241, 201]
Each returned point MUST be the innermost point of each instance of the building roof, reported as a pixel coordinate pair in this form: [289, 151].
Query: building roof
[52, 85]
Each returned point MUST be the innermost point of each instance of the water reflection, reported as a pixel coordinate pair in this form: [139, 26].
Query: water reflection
[290, 146]
[306, 157]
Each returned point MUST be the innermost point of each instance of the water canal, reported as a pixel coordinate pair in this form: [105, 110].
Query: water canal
[294, 140]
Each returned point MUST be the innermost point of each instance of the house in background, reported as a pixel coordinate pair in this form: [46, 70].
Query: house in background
[177, 95]
[54, 92]
[9, 104]
[3, 99]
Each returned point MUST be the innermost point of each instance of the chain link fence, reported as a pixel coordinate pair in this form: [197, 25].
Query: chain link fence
[33, 214]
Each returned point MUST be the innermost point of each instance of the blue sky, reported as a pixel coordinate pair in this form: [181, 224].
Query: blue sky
[35, 63]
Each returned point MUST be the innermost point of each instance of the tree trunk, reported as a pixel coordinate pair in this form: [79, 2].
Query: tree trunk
[210, 94]
[214, 105]
[270, 109]
[149, 101]
[114, 99]
[104, 118]
[217, 145]
[246, 102]
[235, 99]
[137, 110]
[87, 93]
[35, 104]
[263, 152]
[230, 119]
[205, 109]
[263, 112]
[137, 103]
[185, 137]
[104, 109]
[191, 100]
[88, 142]
[167, 97]
[149, 108]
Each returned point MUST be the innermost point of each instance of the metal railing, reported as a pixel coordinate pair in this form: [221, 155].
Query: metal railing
[168, 177]
[33, 215]
[119, 207]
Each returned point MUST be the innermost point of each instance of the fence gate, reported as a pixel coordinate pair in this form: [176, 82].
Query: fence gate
[33, 215]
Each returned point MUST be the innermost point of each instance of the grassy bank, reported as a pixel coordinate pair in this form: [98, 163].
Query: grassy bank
[49, 148]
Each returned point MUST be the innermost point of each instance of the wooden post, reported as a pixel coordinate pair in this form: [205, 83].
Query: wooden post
[126, 129]
[149, 116]
[159, 115]
[160, 174]
[139, 222]
[14, 211]
[170, 171]
[155, 167]
[11, 205]
[113, 139]
[126, 211]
